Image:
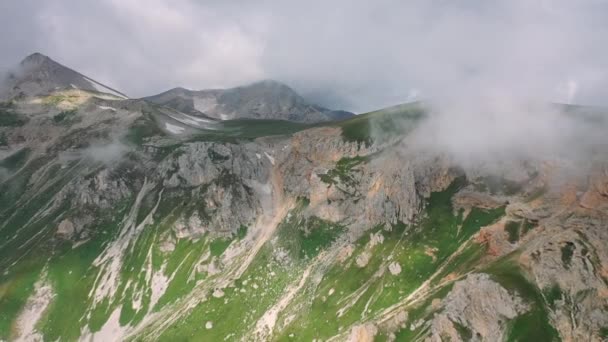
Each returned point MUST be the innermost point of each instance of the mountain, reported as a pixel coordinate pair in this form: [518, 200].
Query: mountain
[38, 74]
[125, 220]
[261, 100]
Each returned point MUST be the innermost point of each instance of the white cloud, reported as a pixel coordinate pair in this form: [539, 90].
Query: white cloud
[360, 54]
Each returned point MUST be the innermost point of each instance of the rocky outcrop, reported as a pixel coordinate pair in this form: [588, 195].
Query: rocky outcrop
[356, 184]
[479, 306]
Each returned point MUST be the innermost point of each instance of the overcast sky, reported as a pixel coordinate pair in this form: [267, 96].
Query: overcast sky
[357, 55]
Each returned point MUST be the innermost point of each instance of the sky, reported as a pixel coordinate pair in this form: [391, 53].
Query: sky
[354, 55]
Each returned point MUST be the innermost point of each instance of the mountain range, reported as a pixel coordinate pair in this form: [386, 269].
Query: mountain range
[38, 74]
[248, 214]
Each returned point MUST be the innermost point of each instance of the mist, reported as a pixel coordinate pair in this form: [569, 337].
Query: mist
[105, 152]
[489, 71]
[353, 55]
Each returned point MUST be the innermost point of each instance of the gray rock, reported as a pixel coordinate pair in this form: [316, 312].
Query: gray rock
[480, 305]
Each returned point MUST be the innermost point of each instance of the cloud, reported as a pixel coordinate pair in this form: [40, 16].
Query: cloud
[106, 153]
[358, 54]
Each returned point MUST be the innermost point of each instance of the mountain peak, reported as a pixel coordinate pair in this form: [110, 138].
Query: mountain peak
[265, 99]
[38, 74]
[35, 58]
[269, 83]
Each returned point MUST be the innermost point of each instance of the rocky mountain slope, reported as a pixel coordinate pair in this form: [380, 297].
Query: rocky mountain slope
[261, 100]
[37, 74]
[122, 220]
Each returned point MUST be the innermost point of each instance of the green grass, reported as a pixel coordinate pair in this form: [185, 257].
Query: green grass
[319, 235]
[56, 99]
[304, 237]
[534, 325]
[241, 232]
[567, 252]
[8, 118]
[65, 117]
[390, 122]
[180, 264]
[382, 124]
[16, 160]
[219, 245]
[67, 273]
[553, 294]
[419, 249]
[72, 278]
[342, 174]
[142, 129]
[512, 229]
[239, 308]
[3, 140]
[14, 292]
[466, 261]
[465, 333]
[527, 226]
[249, 129]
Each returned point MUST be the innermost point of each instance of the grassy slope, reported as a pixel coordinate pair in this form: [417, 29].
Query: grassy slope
[390, 122]
[419, 249]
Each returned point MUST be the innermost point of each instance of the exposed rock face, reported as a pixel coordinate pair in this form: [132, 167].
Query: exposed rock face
[363, 333]
[389, 188]
[229, 182]
[480, 305]
[66, 229]
[394, 268]
[261, 100]
[102, 190]
[563, 263]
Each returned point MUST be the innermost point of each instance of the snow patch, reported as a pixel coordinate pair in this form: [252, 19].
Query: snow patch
[265, 325]
[204, 104]
[32, 312]
[193, 121]
[107, 108]
[110, 260]
[271, 158]
[111, 330]
[174, 128]
[159, 284]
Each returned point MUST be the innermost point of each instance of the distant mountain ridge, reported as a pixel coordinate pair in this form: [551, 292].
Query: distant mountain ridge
[38, 74]
[266, 99]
